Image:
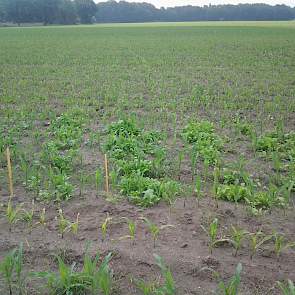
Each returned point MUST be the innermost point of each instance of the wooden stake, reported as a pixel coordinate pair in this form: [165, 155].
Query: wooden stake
[9, 172]
[106, 172]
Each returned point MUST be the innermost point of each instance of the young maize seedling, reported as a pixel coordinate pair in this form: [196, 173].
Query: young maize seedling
[216, 176]
[83, 181]
[106, 167]
[237, 237]
[75, 225]
[256, 241]
[281, 244]
[232, 288]
[24, 164]
[28, 216]
[132, 230]
[169, 286]
[154, 288]
[63, 224]
[147, 288]
[42, 217]
[7, 268]
[154, 229]
[180, 159]
[104, 227]
[194, 157]
[12, 214]
[287, 289]
[9, 169]
[11, 269]
[212, 233]
[18, 268]
[98, 179]
[198, 192]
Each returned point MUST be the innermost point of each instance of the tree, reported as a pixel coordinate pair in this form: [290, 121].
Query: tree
[86, 10]
[48, 10]
[67, 13]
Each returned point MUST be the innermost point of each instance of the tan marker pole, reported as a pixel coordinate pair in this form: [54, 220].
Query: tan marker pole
[9, 172]
[106, 172]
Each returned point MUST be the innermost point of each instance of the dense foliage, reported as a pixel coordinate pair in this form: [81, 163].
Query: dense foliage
[86, 11]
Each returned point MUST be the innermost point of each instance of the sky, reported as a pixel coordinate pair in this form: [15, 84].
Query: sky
[171, 3]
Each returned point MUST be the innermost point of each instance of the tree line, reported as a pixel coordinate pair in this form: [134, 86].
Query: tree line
[86, 11]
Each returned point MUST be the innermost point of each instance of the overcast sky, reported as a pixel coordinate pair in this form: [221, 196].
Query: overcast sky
[166, 3]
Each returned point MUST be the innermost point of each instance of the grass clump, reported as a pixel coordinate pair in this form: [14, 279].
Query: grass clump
[93, 278]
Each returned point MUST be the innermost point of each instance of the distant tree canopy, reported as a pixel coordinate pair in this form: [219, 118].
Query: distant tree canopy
[86, 11]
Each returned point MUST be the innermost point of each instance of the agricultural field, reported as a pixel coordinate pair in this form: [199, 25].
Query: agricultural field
[148, 159]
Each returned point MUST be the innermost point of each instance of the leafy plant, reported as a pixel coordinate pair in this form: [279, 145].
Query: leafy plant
[207, 143]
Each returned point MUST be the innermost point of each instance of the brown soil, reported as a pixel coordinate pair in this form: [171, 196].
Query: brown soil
[183, 247]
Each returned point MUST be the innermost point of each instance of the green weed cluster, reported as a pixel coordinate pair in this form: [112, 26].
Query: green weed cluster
[140, 163]
[207, 143]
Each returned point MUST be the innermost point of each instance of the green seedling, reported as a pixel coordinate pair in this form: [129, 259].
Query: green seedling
[75, 225]
[154, 288]
[42, 217]
[237, 237]
[24, 165]
[63, 224]
[98, 179]
[169, 286]
[83, 180]
[132, 230]
[180, 159]
[90, 280]
[7, 269]
[104, 227]
[212, 234]
[19, 257]
[28, 216]
[11, 269]
[256, 241]
[12, 214]
[147, 288]
[287, 289]
[281, 244]
[216, 176]
[155, 229]
[232, 287]
[194, 157]
[198, 192]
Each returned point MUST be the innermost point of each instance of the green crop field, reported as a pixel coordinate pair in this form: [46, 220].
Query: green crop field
[176, 139]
